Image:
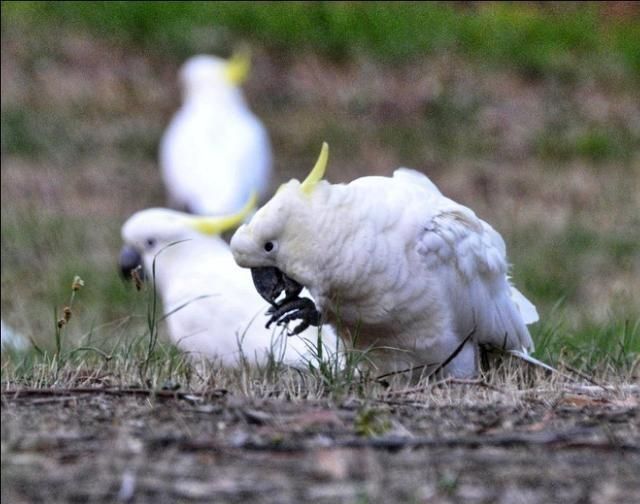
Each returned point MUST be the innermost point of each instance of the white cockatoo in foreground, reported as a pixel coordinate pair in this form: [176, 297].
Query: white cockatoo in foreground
[398, 268]
[215, 153]
[210, 304]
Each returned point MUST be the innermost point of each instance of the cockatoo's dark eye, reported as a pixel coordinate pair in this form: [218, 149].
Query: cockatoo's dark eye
[268, 247]
[150, 242]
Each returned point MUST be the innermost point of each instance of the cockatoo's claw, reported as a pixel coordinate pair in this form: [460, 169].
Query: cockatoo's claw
[296, 309]
[292, 289]
[270, 282]
[299, 328]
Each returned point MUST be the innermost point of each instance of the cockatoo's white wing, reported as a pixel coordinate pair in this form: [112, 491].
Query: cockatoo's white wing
[469, 256]
[414, 177]
[211, 166]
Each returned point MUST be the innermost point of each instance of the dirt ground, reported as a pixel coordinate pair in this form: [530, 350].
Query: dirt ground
[465, 444]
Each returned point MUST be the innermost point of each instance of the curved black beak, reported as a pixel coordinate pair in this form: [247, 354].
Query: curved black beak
[130, 260]
[270, 282]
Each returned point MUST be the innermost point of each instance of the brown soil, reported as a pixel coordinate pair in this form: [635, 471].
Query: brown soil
[79, 446]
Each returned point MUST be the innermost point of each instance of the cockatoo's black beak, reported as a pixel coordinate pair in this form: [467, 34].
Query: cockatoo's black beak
[130, 260]
[270, 282]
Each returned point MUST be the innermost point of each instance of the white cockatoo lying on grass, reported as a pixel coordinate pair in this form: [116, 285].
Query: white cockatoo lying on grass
[215, 153]
[398, 268]
[211, 306]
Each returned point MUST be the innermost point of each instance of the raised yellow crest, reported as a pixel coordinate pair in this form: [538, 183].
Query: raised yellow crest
[317, 172]
[218, 225]
[238, 66]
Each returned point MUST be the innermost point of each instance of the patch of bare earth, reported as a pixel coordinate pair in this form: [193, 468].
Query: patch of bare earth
[462, 444]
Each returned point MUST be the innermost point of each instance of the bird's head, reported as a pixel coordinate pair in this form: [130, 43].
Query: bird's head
[210, 76]
[282, 235]
[148, 233]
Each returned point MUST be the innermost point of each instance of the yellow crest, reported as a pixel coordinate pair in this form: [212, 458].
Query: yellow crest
[317, 172]
[218, 225]
[238, 66]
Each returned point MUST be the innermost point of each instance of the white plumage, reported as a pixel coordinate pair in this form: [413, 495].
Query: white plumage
[11, 339]
[215, 152]
[213, 309]
[395, 265]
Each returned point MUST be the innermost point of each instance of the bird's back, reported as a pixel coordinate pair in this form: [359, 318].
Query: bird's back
[445, 271]
[212, 161]
[468, 257]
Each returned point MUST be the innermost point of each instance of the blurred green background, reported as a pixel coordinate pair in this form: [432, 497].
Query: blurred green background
[529, 113]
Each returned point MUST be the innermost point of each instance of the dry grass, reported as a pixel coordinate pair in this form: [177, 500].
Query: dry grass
[249, 434]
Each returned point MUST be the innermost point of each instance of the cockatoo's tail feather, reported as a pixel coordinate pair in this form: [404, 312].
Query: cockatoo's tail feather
[218, 225]
[525, 307]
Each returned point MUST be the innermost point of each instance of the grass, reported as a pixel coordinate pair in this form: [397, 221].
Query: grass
[131, 351]
[131, 357]
[43, 253]
[129, 362]
[596, 348]
[114, 356]
[575, 244]
[537, 40]
[595, 143]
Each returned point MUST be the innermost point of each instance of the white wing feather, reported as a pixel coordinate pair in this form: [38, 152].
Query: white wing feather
[414, 177]
[469, 256]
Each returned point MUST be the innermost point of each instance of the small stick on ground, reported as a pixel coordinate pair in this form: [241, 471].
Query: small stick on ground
[441, 365]
[582, 375]
[28, 393]
[447, 381]
[579, 438]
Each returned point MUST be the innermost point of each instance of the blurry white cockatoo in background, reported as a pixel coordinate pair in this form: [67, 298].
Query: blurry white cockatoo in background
[212, 309]
[215, 153]
[11, 339]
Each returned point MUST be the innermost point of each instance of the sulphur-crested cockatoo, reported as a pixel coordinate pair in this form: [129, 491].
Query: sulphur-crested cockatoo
[215, 153]
[398, 268]
[11, 339]
[210, 304]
